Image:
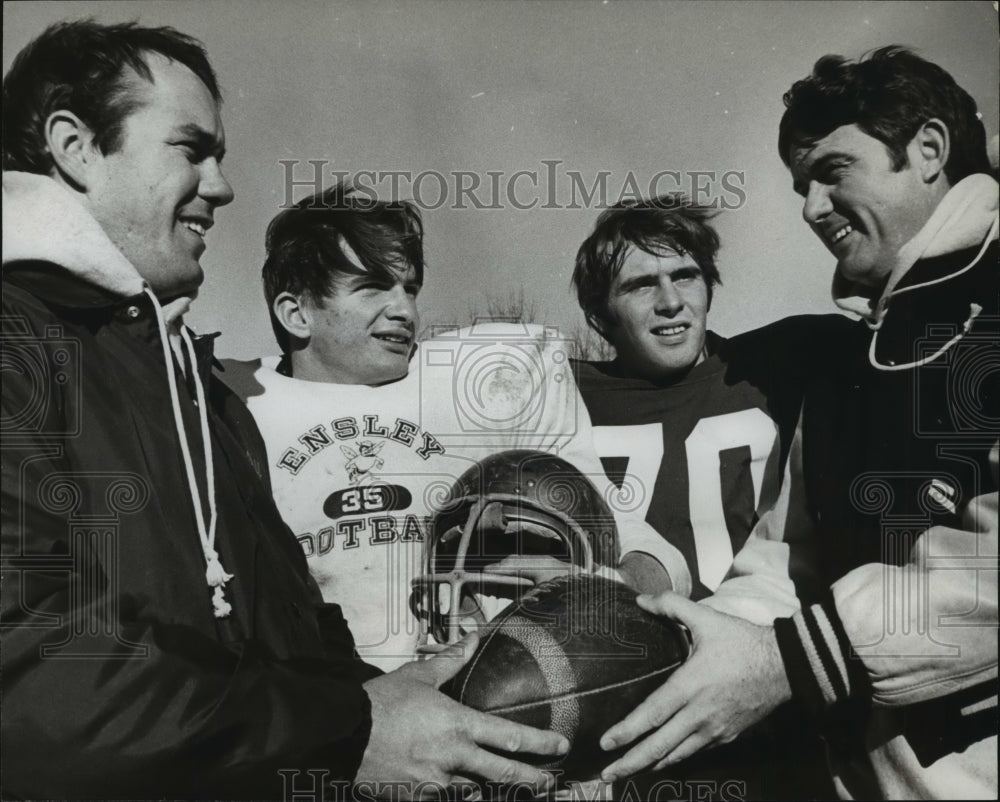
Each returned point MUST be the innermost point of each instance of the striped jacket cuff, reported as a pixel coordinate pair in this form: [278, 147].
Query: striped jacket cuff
[818, 658]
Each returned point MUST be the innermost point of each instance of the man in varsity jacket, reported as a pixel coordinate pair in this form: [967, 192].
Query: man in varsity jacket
[887, 518]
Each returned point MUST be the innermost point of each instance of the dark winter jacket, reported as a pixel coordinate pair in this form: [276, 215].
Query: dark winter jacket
[118, 681]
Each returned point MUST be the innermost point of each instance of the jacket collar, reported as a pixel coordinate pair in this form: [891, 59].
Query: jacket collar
[965, 218]
[59, 252]
[941, 283]
[44, 222]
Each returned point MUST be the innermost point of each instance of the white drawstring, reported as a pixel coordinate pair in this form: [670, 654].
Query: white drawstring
[215, 574]
[974, 312]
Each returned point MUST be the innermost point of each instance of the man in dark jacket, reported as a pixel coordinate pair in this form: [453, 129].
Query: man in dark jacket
[161, 636]
[887, 520]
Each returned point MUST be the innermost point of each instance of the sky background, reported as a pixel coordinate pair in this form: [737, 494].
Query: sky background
[627, 89]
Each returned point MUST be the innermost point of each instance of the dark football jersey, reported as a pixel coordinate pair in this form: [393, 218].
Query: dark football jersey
[700, 458]
[697, 457]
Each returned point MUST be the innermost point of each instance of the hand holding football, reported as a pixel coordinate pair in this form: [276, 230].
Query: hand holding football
[574, 655]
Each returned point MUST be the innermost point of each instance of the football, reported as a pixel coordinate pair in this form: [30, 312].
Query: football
[574, 655]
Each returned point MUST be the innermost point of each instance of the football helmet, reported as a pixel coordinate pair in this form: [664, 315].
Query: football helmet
[527, 503]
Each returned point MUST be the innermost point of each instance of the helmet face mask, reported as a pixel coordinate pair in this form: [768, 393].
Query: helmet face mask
[525, 503]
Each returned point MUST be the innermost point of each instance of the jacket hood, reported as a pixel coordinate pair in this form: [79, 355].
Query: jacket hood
[965, 217]
[43, 221]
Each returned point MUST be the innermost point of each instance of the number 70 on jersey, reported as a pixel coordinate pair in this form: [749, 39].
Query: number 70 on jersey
[642, 446]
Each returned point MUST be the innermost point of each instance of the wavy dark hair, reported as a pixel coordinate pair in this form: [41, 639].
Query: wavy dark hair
[305, 253]
[80, 66]
[888, 94]
[659, 226]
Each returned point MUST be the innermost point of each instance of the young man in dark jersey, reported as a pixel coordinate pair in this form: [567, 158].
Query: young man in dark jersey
[694, 428]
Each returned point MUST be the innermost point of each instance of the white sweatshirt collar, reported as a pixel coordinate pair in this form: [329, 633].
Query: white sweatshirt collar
[965, 216]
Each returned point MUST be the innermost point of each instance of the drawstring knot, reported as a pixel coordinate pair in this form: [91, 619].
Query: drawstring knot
[215, 574]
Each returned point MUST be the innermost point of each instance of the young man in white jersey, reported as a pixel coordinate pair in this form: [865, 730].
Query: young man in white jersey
[366, 431]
